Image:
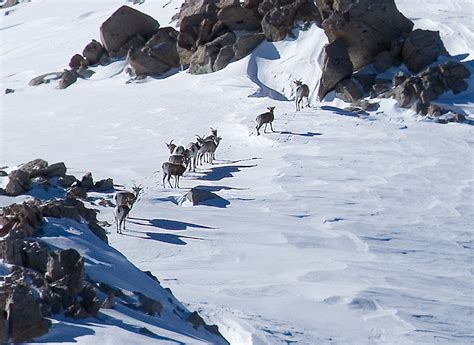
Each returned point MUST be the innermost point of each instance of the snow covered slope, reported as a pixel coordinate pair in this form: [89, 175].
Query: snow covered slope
[338, 229]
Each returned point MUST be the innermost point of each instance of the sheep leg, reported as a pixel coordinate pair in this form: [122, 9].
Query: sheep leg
[258, 127]
[271, 126]
[265, 128]
[169, 182]
[296, 103]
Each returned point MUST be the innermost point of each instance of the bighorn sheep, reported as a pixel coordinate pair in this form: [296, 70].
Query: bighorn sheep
[191, 153]
[208, 149]
[265, 118]
[127, 198]
[302, 90]
[212, 136]
[175, 149]
[121, 212]
[172, 169]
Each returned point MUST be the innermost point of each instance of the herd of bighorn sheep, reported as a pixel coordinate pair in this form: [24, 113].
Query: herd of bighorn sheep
[195, 153]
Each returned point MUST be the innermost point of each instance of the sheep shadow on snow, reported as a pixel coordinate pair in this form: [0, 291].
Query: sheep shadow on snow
[307, 134]
[166, 224]
[221, 172]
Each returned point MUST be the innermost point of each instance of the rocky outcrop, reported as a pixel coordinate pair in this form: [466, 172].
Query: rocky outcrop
[367, 27]
[349, 91]
[68, 77]
[93, 52]
[279, 20]
[203, 60]
[336, 67]
[237, 17]
[125, 24]
[421, 48]
[244, 45]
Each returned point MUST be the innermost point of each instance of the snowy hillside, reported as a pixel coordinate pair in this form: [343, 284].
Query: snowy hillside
[336, 229]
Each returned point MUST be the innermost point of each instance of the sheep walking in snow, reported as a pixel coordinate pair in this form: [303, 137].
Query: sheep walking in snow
[302, 91]
[265, 119]
[175, 170]
[121, 212]
[127, 198]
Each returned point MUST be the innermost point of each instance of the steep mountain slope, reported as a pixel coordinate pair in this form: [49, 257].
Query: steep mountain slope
[336, 229]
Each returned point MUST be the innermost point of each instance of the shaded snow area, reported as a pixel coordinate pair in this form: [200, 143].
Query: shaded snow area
[336, 229]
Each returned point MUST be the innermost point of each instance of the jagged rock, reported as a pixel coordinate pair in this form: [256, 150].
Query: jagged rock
[384, 61]
[77, 192]
[399, 78]
[279, 20]
[144, 64]
[307, 13]
[45, 78]
[33, 166]
[196, 320]
[349, 91]
[66, 267]
[202, 61]
[77, 61]
[20, 220]
[18, 183]
[35, 255]
[84, 73]
[163, 46]
[67, 181]
[422, 48]
[90, 303]
[124, 24]
[148, 305]
[87, 182]
[104, 185]
[454, 74]
[56, 169]
[336, 67]
[9, 3]
[226, 54]
[239, 18]
[245, 44]
[365, 80]
[193, 7]
[93, 52]
[367, 27]
[379, 88]
[24, 315]
[109, 302]
[68, 77]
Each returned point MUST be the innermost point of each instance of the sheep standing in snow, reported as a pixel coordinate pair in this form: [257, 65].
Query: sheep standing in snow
[121, 212]
[127, 198]
[302, 90]
[264, 119]
[173, 169]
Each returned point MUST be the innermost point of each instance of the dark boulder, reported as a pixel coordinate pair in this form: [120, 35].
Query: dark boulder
[87, 182]
[349, 91]
[278, 21]
[202, 61]
[367, 27]
[18, 183]
[77, 61]
[239, 18]
[421, 49]
[148, 305]
[93, 52]
[163, 46]
[125, 24]
[244, 45]
[336, 67]
[68, 77]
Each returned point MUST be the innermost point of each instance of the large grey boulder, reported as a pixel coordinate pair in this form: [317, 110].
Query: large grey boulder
[24, 315]
[124, 24]
[349, 91]
[244, 45]
[202, 61]
[66, 267]
[367, 27]
[239, 18]
[421, 49]
[68, 77]
[163, 46]
[279, 20]
[18, 183]
[336, 67]
[143, 63]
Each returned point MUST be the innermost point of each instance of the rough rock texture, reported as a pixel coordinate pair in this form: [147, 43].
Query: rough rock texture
[202, 61]
[384, 61]
[239, 18]
[244, 45]
[279, 20]
[45, 78]
[18, 183]
[367, 27]
[163, 46]
[68, 77]
[77, 61]
[421, 49]
[93, 52]
[148, 305]
[143, 63]
[123, 25]
[336, 67]
[349, 91]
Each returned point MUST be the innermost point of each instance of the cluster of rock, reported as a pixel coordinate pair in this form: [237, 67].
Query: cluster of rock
[43, 282]
[374, 32]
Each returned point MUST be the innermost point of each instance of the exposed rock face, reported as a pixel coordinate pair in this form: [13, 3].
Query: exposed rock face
[143, 63]
[367, 27]
[202, 61]
[77, 61]
[245, 44]
[279, 20]
[68, 77]
[149, 306]
[24, 315]
[123, 25]
[336, 67]
[349, 91]
[18, 183]
[422, 48]
[239, 18]
[430, 84]
[93, 52]
[163, 46]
